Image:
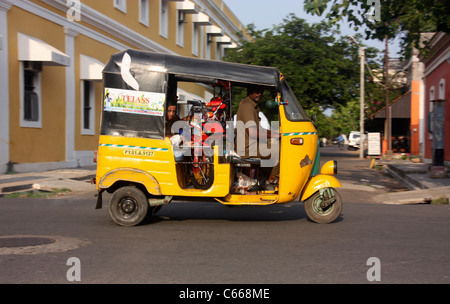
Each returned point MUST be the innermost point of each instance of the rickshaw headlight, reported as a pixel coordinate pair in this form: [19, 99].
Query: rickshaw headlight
[329, 168]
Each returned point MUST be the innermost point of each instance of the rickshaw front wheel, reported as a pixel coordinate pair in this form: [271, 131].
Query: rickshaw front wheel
[128, 206]
[324, 206]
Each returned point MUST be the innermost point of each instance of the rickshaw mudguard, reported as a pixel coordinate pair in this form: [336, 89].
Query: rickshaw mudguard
[130, 175]
[318, 182]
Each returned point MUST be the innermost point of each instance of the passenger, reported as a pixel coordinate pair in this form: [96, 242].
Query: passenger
[176, 138]
[172, 115]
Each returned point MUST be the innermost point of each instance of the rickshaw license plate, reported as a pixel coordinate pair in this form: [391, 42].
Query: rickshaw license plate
[139, 153]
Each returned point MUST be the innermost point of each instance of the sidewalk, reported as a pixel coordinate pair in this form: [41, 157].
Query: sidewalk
[77, 180]
[422, 188]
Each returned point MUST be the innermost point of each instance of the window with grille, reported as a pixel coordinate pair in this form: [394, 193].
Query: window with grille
[88, 107]
[144, 12]
[30, 76]
[121, 5]
[164, 18]
[31, 102]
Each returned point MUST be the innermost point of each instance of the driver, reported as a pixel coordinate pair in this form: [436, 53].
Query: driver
[249, 112]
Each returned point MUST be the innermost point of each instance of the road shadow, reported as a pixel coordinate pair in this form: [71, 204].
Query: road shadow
[182, 211]
[191, 210]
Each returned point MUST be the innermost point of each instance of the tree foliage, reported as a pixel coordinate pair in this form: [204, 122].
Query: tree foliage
[346, 118]
[407, 18]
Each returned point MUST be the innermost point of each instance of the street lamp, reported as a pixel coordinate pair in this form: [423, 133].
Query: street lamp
[362, 56]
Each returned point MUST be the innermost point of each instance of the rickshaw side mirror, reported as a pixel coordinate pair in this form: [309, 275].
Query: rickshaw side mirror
[314, 118]
[271, 104]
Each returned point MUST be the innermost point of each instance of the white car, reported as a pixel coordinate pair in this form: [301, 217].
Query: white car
[354, 140]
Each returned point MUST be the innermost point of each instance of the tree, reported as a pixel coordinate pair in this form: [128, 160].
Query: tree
[387, 18]
[346, 118]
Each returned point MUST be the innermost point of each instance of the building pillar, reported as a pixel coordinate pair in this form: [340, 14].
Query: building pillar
[70, 97]
[5, 5]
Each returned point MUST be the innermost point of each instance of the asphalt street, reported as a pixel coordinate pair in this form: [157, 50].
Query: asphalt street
[208, 243]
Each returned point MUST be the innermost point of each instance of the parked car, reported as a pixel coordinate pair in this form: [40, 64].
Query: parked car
[354, 140]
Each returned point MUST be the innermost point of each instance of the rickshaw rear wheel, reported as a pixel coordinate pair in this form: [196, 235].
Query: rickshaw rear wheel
[324, 206]
[128, 206]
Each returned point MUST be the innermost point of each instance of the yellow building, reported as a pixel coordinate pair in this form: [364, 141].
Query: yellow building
[52, 53]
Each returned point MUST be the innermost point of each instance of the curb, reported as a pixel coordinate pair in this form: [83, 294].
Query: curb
[422, 196]
[400, 175]
[66, 180]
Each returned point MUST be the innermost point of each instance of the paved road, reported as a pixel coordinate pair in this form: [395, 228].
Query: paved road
[201, 242]
[354, 170]
[360, 183]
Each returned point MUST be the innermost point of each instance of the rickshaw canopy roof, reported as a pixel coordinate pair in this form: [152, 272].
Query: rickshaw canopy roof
[194, 69]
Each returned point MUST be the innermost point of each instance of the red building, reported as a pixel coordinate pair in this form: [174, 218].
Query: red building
[437, 96]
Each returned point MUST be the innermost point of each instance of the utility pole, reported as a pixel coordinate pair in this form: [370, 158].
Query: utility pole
[362, 56]
[388, 129]
[362, 103]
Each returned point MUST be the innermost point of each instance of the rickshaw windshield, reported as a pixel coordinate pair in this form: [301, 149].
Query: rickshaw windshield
[131, 113]
[294, 111]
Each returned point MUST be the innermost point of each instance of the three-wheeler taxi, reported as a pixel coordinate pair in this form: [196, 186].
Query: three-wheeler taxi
[144, 165]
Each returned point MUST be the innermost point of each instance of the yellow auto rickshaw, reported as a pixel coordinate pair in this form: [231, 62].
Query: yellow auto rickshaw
[144, 169]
